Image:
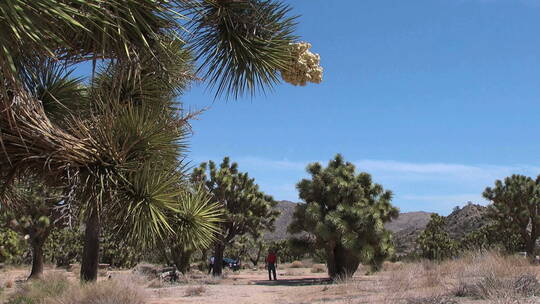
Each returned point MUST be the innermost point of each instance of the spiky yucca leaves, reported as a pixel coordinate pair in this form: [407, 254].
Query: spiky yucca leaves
[516, 207]
[33, 136]
[242, 44]
[196, 223]
[33, 211]
[345, 214]
[247, 210]
[130, 120]
[84, 29]
[195, 226]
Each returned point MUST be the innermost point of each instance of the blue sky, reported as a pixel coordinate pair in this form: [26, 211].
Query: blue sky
[435, 98]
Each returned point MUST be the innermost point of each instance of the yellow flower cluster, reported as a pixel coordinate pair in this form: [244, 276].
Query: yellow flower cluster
[304, 66]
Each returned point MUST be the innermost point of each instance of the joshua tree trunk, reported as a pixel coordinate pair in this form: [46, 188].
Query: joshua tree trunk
[90, 258]
[341, 262]
[218, 259]
[182, 259]
[37, 258]
[257, 257]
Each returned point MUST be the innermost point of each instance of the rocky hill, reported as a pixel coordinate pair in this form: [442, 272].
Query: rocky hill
[464, 220]
[285, 218]
[408, 226]
[405, 228]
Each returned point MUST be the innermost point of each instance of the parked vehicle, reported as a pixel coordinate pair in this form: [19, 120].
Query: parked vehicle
[231, 263]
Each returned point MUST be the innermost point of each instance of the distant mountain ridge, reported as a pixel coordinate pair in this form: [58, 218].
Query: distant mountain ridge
[282, 222]
[406, 227]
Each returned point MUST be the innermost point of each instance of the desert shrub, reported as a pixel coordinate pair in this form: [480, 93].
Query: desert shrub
[104, 292]
[527, 285]
[12, 247]
[492, 236]
[55, 288]
[194, 291]
[296, 264]
[146, 270]
[34, 291]
[63, 247]
[118, 252]
[156, 283]
[318, 268]
[493, 287]
[308, 263]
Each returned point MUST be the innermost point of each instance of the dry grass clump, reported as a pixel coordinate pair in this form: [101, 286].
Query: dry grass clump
[55, 288]
[485, 275]
[308, 263]
[291, 273]
[493, 287]
[156, 283]
[51, 285]
[105, 292]
[195, 291]
[318, 268]
[296, 264]
[146, 269]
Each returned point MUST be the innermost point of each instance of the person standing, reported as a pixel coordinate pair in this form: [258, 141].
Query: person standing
[211, 264]
[271, 263]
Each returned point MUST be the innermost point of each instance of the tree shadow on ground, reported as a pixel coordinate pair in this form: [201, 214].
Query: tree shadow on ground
[295, 282]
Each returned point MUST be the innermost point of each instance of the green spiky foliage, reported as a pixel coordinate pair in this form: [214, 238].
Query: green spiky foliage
[292, 249]
[196, 226]
[33, 212]
[344, 214]
[248, 248]
[12, 246]
[248, 43]
[64, 247]
[247, 210]
[516, 208]
[434, 243]
[491, 236]
[116, 139]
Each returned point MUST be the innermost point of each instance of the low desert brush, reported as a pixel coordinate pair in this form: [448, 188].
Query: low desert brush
[194, 291]
[56, 289]
[318, 268]
[296, 264]
[493, 287]
[50, 286]
[104, 292]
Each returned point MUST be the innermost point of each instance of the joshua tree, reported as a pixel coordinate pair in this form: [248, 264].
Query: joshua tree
[344, 214]
[516, 208]
[33, 212]
[434, 242]
[197, 210]
[117, 139]
[246, 208]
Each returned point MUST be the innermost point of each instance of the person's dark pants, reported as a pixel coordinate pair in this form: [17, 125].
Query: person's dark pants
[210, 267]
[272, 270]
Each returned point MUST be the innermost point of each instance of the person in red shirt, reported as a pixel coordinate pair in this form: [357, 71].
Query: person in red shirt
[271, 262]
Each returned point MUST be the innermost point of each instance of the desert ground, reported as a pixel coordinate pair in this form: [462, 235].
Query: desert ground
[477, 278]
